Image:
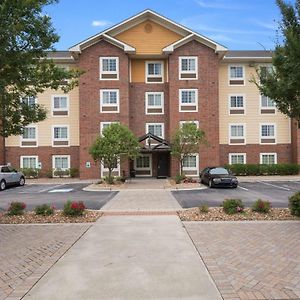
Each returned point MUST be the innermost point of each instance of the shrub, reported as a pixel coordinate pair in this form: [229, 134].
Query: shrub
[261, 206]
[294, 204]
[189, 180]
[30, 172]
[44, 210]
[233, 206]
[73, 208]
[48, 173]
[16, 208]
[179, 178]
[203, 209]
[61, 173]
[109, 180]
[120, 178]
[74, 172]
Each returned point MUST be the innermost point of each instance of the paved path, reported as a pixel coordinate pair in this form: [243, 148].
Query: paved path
[129, 257]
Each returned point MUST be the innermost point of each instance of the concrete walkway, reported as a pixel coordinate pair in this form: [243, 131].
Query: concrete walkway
[129, 257]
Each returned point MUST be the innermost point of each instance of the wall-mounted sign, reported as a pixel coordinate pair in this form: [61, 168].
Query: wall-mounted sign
[87, 164]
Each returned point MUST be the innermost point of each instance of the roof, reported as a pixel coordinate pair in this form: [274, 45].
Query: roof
[63, 56]
[248, 53]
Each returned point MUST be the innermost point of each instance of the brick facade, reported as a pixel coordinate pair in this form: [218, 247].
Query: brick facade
[2, 149]
[295, 142]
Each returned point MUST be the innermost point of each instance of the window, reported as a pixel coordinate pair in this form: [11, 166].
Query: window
[236, 75]
[267, 105]
[237, 134]
[29, 162]
[154, 103]
[104, 125]
[265, 70]
[61, 162]
[60, 105]
[143, 165]
[109, 101]
[190, 165]
[60, 135]
[154, 72]
[29, 100]
[267, 134]
[29, 137]
[188, 67]
[268, 158]
[109, 68]
[188, 100]
[193, 121]
[143, 162]
[237, 158]
[156, 129]
[236, 104]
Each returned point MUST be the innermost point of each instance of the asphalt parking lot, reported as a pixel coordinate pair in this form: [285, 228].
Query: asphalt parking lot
[54, 194]
[277, 192]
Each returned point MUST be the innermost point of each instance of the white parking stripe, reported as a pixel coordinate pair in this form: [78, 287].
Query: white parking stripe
[277, 186]
[243, 188]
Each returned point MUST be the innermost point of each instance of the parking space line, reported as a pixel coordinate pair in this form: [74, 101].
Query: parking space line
[243, 188]
[41, 191]
[277, 186]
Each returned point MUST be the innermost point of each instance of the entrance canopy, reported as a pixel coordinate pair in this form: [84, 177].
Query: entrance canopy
[153, 143]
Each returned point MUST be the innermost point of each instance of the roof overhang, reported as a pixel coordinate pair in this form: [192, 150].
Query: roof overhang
[247, 59]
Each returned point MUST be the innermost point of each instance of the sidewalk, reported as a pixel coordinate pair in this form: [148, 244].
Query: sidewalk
[268, 178]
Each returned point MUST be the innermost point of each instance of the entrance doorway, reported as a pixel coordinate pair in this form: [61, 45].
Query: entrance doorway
[163, 165]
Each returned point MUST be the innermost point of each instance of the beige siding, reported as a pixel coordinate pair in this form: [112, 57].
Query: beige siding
[252, 117]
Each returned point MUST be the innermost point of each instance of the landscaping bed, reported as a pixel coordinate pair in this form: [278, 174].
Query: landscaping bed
[58, 217]
[217, 214]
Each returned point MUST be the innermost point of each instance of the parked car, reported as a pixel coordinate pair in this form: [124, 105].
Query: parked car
[10, 176]
[218, 176]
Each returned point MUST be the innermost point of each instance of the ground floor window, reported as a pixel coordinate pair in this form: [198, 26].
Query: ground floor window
[143, 165]
[115, 171]
[237, 158]
[61, 162]
[268, 158]
[29, 162]
[191, 165]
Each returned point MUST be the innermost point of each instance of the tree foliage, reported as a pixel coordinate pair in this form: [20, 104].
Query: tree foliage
[186, 141]
[26, 34]
[282, 84]
[116, 143]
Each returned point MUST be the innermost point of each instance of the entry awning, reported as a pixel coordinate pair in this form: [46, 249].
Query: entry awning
[154, 143]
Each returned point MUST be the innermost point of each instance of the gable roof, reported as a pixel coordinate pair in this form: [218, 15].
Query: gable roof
[109, 33]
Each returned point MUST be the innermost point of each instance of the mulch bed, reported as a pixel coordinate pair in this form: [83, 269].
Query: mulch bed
[57, 217]
[217, 214]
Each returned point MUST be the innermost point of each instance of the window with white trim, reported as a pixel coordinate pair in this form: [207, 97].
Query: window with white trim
[268, 158]
[29, 136]
[154, 103]
[237, 134]
[29, 100]
[188, 67]
[190, 165]
[188, 100]
[60, 135]
[109, 68]
[61, 162]
[237, 158]
[267, 133]
[236, 75]
[267, 105]
[29, 162]
[154, 72]
[60, 105]
[156, 129]
[236, 104]
[196, 122]
[143, 162]
[109, 101]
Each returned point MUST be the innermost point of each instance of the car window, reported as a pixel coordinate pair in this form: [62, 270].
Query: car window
[220, 171]
[5, 170]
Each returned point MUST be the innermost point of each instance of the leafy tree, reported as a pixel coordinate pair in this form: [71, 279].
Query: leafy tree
[26, 34]
[116, 143]
[282, 84]
[186, 141]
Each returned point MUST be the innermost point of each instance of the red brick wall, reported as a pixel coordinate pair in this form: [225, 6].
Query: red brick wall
[284, 152]
[295, 142]
[208, 94]
[89, 99]
[2, 149]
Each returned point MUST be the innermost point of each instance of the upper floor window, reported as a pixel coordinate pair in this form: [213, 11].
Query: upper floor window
[29, 136]
[154, 103]
[188, 67]
[236, 104]
[236, 75]
[29, 100]
[156, 129]
[267, 105]
[109, 101]
[104, 125]
[194, 122]
[188, 100]
[237, 134]
[109, 68]
[60, 135]
[267, 134]
[265, 70]
[60, 105]
[154, 72]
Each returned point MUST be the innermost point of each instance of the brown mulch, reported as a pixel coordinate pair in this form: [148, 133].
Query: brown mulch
[57, 217]
[217, 214]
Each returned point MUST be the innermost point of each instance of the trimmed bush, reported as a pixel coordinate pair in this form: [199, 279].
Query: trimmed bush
[61, 173]
[203, 209]
[73, 208]
[74, 172]
[261, 206]
[109, 180]
[16, 208]
[233, 206]
[30, 172]
[44, 210]
[294, 204]
[179, 178]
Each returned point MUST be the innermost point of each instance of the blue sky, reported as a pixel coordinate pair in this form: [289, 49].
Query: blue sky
[237, 24]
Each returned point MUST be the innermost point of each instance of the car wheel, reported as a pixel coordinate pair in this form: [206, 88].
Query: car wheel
[210, 183]
[22, 181]
[234, 186]
[2, 185]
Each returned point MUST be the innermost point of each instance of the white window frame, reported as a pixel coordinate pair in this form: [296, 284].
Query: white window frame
[108, 104]
[162, 128]
[60, 109]
[60, 139]
[118, 169]
[237, 138]
[268, 137]
[193, 168]
[29, 156]
[144, 169]
[161, 62]
[236, 78]
[109, 72]
[261, 108]
[188, 104]
[188, 72]
[267, 153]
[236, 108]
[230, 155]
[30, 140]
[154, 106]
[35, 99]
[190, 121]
[63, 169]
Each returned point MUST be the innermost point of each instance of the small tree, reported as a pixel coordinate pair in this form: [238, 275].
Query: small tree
[116, 143]
[186, 141]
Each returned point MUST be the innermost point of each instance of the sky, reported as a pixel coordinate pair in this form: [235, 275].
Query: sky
[236, 24]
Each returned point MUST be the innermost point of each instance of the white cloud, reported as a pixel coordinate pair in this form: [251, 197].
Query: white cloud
[101, 23]
[219, 4]
[267, 25]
